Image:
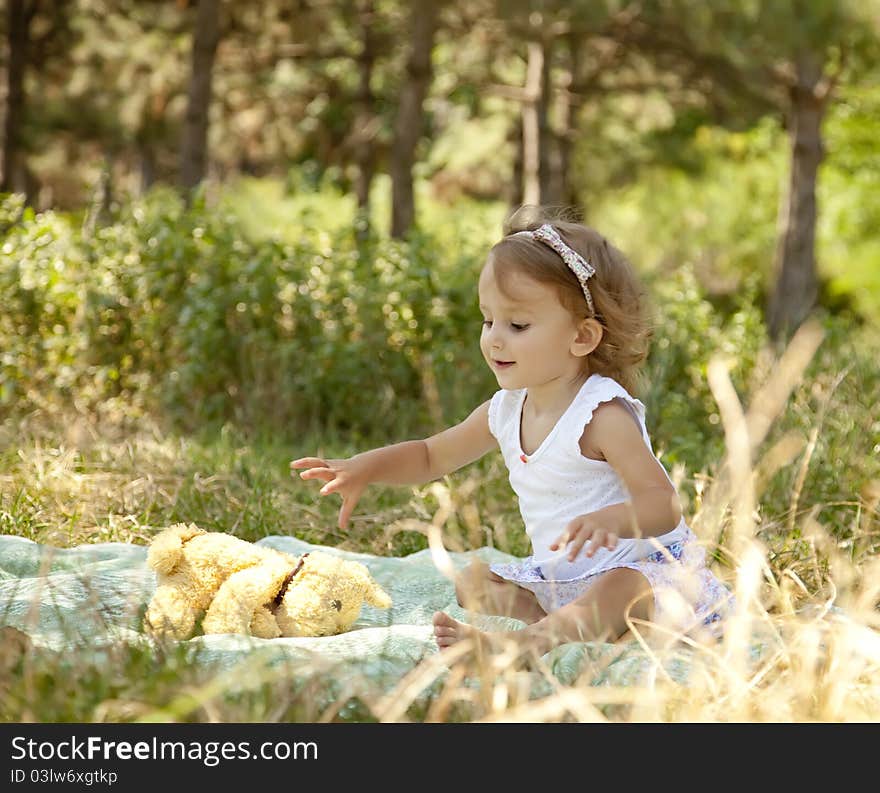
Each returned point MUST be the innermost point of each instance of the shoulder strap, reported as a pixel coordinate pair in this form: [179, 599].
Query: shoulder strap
[502, 408]
[599, 389]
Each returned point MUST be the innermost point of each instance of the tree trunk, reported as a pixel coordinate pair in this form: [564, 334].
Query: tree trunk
[795, 289]
[363, 145]
[568, 122]
[546, 139]
[145, 144]
[515, 190]
[409, 123]
[18, 22]
[195, 131]
[531, 111]
[147, 157]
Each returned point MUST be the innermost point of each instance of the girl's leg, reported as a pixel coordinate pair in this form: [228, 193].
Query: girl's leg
[479, 589]
[600, 614]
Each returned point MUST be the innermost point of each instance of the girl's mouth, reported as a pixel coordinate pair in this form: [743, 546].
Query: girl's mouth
[502, 364]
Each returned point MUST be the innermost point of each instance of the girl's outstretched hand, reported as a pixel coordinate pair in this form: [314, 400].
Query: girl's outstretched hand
[345, 477]
[582, 529]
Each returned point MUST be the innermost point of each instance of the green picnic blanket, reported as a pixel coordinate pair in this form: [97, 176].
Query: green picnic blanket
[83, 598]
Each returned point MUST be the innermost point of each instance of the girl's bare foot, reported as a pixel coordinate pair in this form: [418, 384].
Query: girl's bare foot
[506, 644]
[448, 631]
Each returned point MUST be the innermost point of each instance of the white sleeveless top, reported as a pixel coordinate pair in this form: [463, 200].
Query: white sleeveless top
[557, 483]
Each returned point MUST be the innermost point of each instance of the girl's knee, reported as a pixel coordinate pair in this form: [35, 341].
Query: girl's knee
[471, 582]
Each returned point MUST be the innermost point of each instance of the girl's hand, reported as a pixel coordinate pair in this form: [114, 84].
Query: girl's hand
[346, 477]
[579, 531]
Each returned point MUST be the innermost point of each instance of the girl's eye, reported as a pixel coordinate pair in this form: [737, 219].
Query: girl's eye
[517, 326]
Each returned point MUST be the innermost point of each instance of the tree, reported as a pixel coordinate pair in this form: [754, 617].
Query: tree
[782, 56]
[38, 39]
[193, 155]
[535, 143]
[19, 15]
[570, 57]
[365, 122]
[409, 123]
[538, 25]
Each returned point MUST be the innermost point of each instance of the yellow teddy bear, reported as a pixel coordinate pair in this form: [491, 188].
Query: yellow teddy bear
[252, 590]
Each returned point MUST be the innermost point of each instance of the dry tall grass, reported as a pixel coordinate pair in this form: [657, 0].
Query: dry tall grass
[803, 646]
[790, 653]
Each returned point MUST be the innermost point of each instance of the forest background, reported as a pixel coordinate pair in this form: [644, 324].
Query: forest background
[232, 234]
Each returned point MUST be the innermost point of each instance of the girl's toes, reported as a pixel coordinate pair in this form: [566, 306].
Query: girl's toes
[443, 620]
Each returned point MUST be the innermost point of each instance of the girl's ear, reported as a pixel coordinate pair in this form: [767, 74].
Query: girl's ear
[588, 337]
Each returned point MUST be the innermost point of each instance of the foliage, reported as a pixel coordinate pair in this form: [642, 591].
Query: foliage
[690, 331]
[184, 315]
[849, 250]
[720, 203]
[175, 310]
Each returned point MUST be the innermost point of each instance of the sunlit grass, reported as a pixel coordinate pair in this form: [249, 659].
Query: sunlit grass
[804, 645]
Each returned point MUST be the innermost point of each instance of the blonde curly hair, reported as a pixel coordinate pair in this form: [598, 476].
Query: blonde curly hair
[619, 298]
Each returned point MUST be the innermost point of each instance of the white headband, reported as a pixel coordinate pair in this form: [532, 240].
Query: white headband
[573, 260]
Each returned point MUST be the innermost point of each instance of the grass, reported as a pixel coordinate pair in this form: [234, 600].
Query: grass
[89, 486]
[805, 645]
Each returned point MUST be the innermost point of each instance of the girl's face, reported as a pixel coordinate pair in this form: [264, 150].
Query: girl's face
[529, 339]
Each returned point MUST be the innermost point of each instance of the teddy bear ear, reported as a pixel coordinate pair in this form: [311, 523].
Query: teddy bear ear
[375, 595]
[378, 597]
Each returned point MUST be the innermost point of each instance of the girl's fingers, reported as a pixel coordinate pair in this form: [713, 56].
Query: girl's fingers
[566, 537]
[596, 542]
[308, 462]
[348, 504]
[318, 473]
[602, 539]
[576, 546]
[578, 535]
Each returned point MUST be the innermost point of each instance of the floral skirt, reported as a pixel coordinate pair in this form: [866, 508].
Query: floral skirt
[687, 596]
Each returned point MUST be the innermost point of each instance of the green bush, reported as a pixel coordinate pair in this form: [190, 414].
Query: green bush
[177, 312]
[42, 298]
[835, 407]
[689, 332]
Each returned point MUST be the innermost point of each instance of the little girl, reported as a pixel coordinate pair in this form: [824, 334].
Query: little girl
[563, 331]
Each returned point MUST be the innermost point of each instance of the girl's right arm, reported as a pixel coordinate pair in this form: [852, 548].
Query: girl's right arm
[406, 463]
